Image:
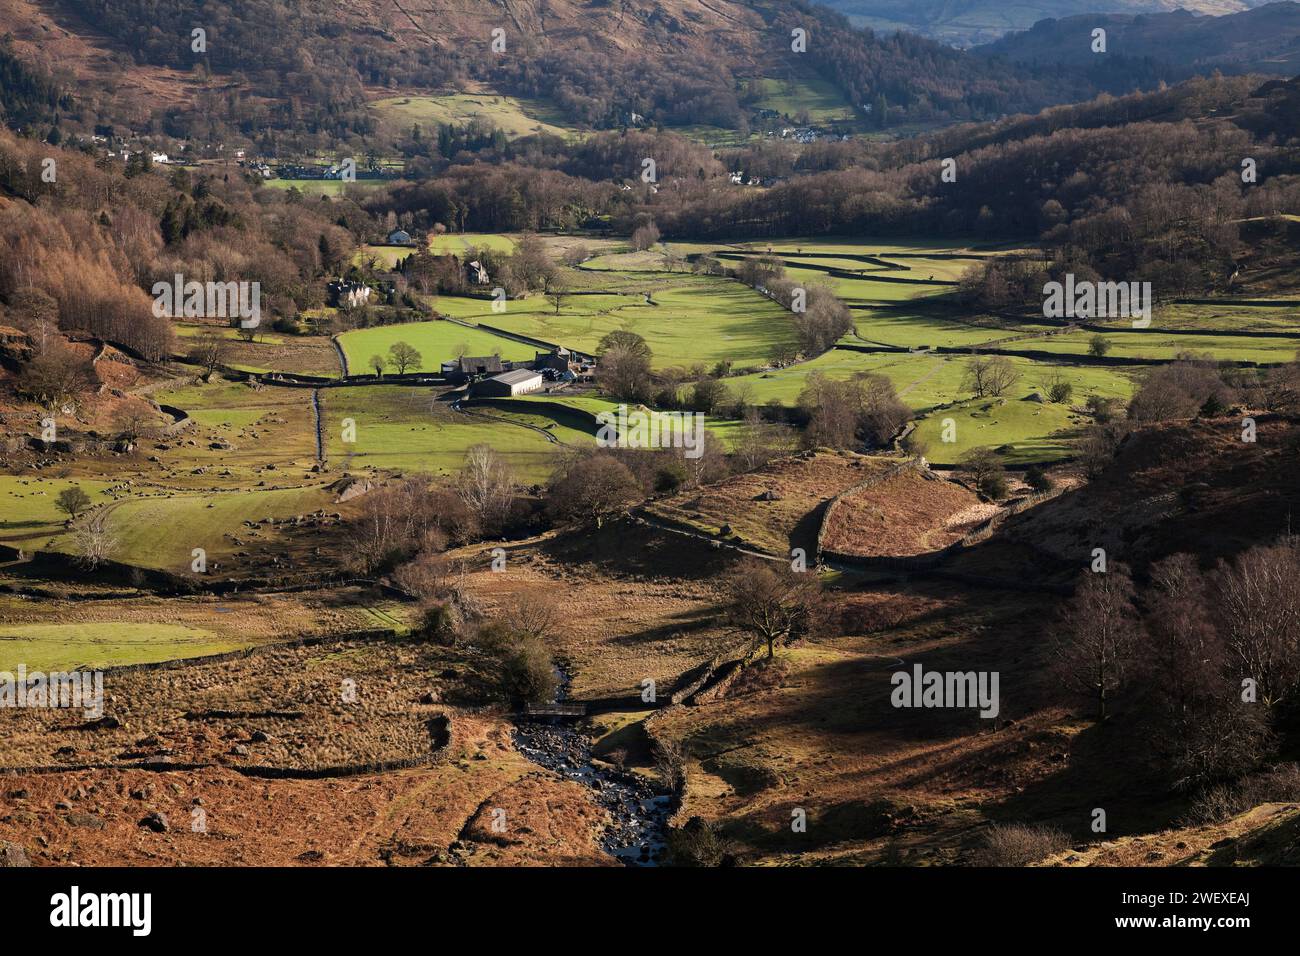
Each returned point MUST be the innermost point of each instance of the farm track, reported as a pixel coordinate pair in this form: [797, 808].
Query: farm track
[456, 406]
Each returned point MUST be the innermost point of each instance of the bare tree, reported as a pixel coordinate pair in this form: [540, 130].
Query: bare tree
[1202, 731]
[1258, 611]
[591, 488]
[989, 375]
[208, 352]
[94, 542]
[1095, 647]
[771, 603]
[134, 423]
[72, 501]
[644, 237]
[487, 486]
[623, 366]
[403, 356]
[536, 614]
[56, 376]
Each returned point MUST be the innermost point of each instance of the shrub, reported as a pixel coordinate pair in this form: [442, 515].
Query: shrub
[701, 843]
[437, 624]
[1015, 844]
[528, 672]
[1037, 479]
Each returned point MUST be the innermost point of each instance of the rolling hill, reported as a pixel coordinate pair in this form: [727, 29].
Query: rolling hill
[968, 22]
[287, 64]
[1172, 46]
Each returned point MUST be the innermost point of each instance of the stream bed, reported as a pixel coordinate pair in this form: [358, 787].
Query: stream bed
[638, 812]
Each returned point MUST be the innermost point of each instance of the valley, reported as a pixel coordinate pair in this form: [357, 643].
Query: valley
[640, 434]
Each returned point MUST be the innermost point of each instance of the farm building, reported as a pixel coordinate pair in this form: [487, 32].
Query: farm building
[519, 382]
[467, 368]
[557, 359]
[476, 273]
[399, 237]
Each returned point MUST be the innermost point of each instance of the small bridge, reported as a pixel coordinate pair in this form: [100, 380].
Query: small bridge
[555, 710]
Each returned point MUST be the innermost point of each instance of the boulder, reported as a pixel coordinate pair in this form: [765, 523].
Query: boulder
[156, 821]
[12, 855]
[348, 487]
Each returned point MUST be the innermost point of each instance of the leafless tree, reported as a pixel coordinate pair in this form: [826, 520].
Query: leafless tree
[1095, 647]
[487, 486]
[1202, 731]
[644, 237]
[536, 614]
[1258, 611]
[56, 376]
[771, 602]
[403, 356]
[591, 488]
[208, 352]
[989, 375]
[94, 541]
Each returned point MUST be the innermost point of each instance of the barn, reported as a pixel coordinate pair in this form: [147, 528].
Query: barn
[519, 382]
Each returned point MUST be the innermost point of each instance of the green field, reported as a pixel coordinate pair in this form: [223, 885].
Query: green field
[264, 425]
[449, 243]
[28, 516]
[161, 532]
[462, 242]
[1238, 318]
[1023, 431]
[323, 187]
[408, 429]
[1158, 345]
[697, 319]
[514, 116]
[912, 331]
[50, 647]
[437, 342]
[821, 99]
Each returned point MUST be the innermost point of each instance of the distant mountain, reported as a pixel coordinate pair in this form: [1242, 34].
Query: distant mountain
[1163, 46]
[261, 66]
[966, 23]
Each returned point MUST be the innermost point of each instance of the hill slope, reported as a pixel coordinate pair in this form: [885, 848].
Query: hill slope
[967, 22]
[288, 63]
[1170, 46]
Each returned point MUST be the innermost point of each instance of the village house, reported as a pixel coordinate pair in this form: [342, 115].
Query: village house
[476, 273]
[348, 295]
[400, 237]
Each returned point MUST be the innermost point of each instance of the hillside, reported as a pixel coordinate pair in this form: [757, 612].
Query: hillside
[968, 22]
[280, 63]
[1161, 46]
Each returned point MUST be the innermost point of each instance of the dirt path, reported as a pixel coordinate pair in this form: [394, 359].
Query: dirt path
[456, 407]
[938, 367]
